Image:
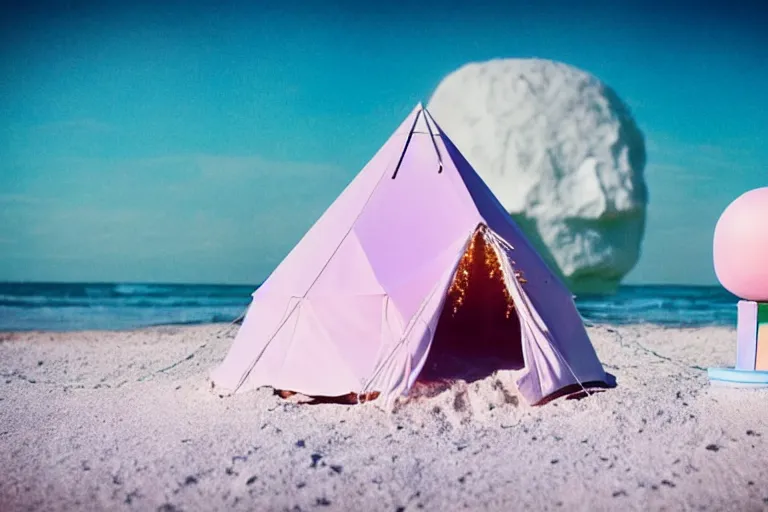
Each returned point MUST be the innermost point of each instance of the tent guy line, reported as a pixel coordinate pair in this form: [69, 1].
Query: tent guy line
[407, 143]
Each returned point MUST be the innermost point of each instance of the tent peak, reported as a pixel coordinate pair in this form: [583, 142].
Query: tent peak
[421, 109]
[421, 125]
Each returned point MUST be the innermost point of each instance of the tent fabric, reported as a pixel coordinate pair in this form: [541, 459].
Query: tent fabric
[354, 306]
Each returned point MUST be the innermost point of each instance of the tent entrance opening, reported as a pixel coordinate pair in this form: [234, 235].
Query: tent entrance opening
[478, 331]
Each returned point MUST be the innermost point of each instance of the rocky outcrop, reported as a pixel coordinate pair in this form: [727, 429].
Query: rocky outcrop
[562, 153]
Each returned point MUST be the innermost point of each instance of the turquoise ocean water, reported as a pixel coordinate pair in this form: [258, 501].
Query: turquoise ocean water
[79, 306]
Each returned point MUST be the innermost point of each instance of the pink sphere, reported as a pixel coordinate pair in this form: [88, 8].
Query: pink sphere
[740, 246]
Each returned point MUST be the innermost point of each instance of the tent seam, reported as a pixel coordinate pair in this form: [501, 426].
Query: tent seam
[411, 324]
[384, 172]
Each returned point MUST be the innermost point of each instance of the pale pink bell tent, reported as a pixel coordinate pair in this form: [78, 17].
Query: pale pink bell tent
[415, 268]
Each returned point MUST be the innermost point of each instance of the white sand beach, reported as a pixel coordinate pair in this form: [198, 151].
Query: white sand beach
[127, 421]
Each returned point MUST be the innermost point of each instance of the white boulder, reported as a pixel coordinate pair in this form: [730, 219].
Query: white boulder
[562, 153]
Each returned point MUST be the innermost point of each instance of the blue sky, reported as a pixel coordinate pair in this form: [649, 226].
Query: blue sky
[196, 142]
